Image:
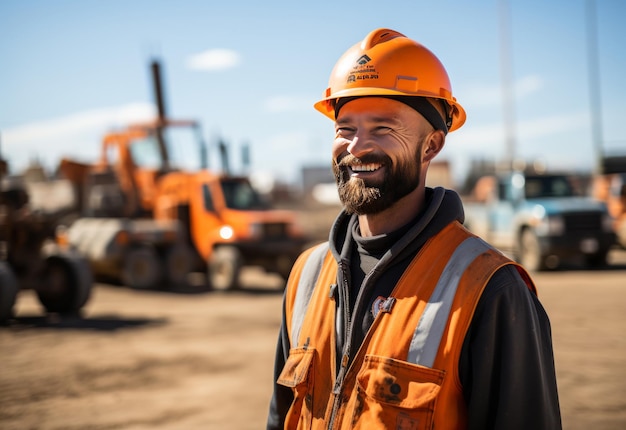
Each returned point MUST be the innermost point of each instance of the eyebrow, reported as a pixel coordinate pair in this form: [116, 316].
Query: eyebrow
[377, 119]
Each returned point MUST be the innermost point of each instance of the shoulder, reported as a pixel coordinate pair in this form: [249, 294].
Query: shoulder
[510, 294]
[305, 272]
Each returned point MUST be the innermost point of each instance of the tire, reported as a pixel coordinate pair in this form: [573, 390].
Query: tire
[224, 268]
[530, 255]
[66, 285]
[597, 260]
[8, 291]
[621, 234]
[179, 262]
[142, 268]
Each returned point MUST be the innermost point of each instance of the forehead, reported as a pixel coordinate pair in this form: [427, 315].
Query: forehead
[376, 108]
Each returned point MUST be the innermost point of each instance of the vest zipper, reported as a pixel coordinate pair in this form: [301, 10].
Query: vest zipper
[345, 303]
[337, 400]
[345, 355]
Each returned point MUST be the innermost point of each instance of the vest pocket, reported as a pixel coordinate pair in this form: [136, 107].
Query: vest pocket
[394, 394]
[297, 375]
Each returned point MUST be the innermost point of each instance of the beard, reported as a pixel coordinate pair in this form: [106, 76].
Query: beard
[366, 197]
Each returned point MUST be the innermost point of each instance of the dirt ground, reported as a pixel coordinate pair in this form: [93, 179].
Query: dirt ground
[195, 359]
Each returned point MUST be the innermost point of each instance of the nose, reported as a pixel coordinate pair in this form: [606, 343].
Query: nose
[358, 147]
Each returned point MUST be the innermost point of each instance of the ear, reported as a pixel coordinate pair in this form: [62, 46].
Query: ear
[433, 145]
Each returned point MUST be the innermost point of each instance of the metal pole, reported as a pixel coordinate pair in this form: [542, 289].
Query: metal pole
[506, 69]
[155, 67]
[594, 84]
[157, 85]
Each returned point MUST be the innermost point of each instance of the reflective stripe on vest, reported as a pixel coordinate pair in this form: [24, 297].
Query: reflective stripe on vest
[306, 285]
[427, 337]
[429, 331]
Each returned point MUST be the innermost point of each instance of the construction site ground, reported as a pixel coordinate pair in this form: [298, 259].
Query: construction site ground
[195, 359]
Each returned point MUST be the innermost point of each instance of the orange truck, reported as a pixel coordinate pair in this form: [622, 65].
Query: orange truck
[150, 225]
[150, 218]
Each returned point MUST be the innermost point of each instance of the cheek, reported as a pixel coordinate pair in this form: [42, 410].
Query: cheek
[403, 151]
[340, 146]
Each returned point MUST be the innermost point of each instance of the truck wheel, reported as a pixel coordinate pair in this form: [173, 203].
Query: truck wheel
[142, 268]
[597, 260]
[8, 291]
[179, 262]
[621, 234]
[224, 268]
[530, 252]
[67, 284]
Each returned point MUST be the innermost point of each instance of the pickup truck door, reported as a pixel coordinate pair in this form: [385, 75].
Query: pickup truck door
[501, 218]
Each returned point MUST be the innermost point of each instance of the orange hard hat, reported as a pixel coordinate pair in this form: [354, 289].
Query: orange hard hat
[387, 63]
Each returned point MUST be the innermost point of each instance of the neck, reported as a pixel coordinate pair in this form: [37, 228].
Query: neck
[394, 217]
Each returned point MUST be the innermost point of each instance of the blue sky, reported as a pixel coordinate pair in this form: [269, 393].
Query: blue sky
[250, 72]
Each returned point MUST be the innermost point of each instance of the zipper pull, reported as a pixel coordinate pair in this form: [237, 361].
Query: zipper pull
[332, 291]
[342, 374]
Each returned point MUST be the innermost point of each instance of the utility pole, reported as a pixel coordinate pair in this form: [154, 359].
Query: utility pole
[594, 84]
[508, 96]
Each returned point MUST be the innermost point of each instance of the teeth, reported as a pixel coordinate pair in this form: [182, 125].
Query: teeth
[365, 167]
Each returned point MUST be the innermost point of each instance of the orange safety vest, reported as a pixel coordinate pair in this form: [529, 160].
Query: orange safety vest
[405, 374]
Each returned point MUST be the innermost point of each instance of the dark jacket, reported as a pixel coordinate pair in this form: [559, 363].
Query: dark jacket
[506, 365]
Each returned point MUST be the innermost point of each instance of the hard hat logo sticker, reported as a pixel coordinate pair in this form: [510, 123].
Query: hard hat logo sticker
[363, 59]
[362, 70]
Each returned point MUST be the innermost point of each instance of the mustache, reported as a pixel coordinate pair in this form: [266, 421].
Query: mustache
[347, 159]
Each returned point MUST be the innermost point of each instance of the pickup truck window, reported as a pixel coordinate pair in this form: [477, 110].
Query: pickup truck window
[208, 198]
[505, 191]
[240, 195]
[182, 144]
[548, 186]
[145, 152]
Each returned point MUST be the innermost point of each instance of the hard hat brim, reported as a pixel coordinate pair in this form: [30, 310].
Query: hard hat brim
[327, 105]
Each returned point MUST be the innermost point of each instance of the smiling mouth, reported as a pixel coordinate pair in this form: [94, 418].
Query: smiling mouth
[365, 168]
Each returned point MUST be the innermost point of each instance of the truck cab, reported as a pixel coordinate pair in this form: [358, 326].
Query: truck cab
[542, 220]
[229, 224]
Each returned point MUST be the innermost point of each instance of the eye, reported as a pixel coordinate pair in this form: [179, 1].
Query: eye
[344, 131]
[381, 129]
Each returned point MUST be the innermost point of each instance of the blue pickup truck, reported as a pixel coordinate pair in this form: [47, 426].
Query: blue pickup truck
[540, 220]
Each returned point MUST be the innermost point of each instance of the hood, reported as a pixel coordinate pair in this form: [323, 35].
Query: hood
[442, 207]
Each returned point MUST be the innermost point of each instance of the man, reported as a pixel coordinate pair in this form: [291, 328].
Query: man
[405, 320]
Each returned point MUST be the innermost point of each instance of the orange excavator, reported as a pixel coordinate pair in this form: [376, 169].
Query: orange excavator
[149, 219]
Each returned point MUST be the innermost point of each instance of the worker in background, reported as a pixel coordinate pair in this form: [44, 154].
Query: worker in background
[404, 319]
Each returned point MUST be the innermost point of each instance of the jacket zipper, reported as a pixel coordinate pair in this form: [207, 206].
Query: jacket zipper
[345, 356]
[389, 302]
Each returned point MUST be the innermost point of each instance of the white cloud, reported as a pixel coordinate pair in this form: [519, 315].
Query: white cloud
[543, 137]
[553, 124]
[527, 85]
[280, 104]
[285, 153]
[77, 134]
[214, 59]
[287, 141]
[491, 95]
[79, 122]
[483, 137]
